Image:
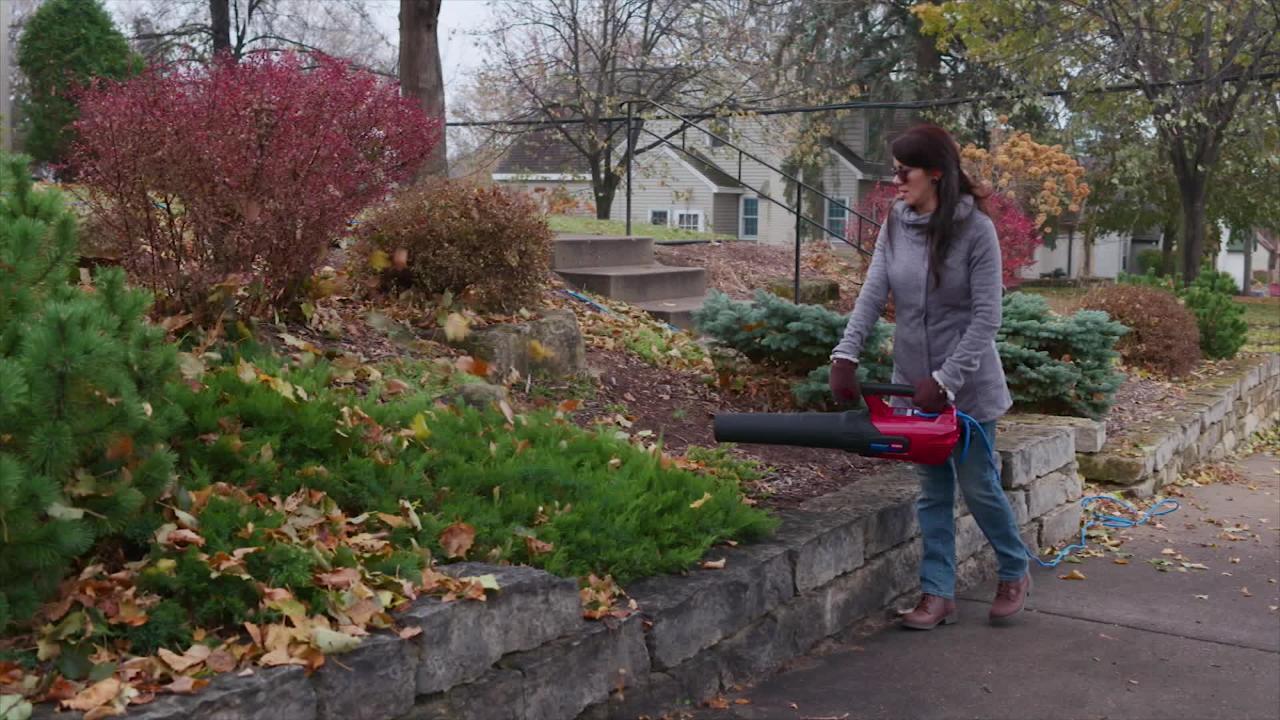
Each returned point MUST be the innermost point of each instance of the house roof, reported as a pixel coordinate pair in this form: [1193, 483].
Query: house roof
[708, 169]
[865, 166]
[541, 151]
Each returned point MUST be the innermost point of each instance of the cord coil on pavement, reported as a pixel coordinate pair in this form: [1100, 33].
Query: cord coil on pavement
[1096, 517]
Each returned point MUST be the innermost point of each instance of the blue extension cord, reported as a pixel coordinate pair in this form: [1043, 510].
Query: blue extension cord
[1164, 507]
[602, 309]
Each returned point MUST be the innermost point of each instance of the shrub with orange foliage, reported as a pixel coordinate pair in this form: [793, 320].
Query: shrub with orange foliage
[1044, 179]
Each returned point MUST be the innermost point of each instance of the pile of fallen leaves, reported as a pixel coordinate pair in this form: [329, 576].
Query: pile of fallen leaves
[738, 269]
[85, 663]
[616, 326]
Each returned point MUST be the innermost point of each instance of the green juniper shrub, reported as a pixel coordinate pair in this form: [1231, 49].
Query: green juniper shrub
[1162, 338]
[794, 338]
[604, 505]
[1211, 296]
[83, 410]
[1059, 364]
[489, 246]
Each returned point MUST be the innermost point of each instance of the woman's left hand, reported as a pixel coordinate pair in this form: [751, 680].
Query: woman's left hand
[929, 396]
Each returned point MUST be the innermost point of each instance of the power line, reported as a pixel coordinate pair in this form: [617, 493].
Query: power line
[879, 104]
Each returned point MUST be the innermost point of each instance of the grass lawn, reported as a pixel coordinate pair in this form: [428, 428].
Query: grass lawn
[1062, 300]
[573, 225]
[1263, 317]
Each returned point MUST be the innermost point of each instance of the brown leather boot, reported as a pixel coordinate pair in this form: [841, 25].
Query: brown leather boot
[1011, 596]
[929, 612]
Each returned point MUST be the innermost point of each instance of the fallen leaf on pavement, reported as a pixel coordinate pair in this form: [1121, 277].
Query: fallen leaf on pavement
[1245, 592]
[1073, 575]
[1202, 597]
[714, 564]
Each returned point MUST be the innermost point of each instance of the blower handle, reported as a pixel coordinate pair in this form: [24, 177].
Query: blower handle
[888, 389]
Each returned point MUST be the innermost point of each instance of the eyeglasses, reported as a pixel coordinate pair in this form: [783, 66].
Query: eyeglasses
[902, 173]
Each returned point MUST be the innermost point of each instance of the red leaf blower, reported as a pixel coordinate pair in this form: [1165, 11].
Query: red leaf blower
[894, 433]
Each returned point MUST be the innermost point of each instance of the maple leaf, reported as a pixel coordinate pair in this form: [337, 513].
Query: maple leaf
[340, 579]
[419, 427]
[537, 547]
[472, 366]
[456, 327]
[184, 685]
[120, 448]
[539, 352]
[14, 707]
[457, 539]
[221, 660]
[195, 655]
[94, 696]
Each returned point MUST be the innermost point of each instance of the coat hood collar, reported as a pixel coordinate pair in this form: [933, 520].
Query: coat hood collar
[909, 216]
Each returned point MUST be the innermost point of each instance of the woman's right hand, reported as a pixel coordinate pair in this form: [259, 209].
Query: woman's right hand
[844, 381]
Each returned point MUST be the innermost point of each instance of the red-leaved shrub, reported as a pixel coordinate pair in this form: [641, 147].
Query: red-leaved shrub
[240, 172]
[1015, 230]
[1163, 335]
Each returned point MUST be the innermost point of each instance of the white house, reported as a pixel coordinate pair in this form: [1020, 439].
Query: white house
[698, 182]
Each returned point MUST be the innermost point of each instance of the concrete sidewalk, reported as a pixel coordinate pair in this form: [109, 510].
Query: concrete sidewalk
[1199, 640]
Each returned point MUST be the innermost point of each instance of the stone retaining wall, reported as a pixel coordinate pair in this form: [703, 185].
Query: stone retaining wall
[526, 654]
[1206, 426]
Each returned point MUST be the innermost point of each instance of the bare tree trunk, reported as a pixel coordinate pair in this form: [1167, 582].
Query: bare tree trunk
[220, 21]
[421, 77]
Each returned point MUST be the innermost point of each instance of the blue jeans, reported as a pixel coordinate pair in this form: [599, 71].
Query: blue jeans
[982, 494]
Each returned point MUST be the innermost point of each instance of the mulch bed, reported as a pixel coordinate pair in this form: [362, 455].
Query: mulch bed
[678, 408]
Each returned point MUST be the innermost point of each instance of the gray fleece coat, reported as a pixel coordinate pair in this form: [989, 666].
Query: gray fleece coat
[947, 330]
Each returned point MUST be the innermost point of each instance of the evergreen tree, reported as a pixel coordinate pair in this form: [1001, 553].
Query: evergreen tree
[65, 44]
[82, 415]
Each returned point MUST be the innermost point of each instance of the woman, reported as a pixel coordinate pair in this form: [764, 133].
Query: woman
[938, 254]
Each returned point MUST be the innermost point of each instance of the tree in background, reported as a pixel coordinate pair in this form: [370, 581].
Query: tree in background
[421, 76]
[65, 44]
[1201, 69]
[583, 59]
[181, 31]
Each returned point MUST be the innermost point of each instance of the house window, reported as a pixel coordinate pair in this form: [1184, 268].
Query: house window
[837, 217]
[689, 221]
[750, 217]
[659, 217]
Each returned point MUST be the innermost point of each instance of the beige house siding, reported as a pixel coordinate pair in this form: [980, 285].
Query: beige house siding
[663, 182]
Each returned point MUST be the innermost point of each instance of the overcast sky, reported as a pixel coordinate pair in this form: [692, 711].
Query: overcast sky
[458, 53]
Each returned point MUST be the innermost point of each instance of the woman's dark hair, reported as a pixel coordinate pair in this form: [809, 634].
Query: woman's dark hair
[932, 148]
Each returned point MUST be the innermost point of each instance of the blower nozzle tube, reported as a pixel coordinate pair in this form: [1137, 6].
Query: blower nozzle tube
[850, 430]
